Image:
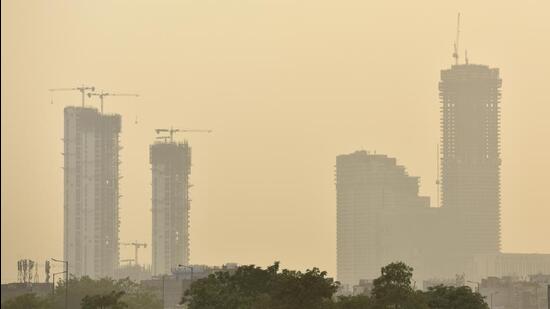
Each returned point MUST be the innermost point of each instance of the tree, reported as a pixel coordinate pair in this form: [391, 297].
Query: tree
[109, 300]
[297, 290]
[253, 287]
[135, 295]
[27, 301]
[393, 288]
[353, 302]
[449, 297]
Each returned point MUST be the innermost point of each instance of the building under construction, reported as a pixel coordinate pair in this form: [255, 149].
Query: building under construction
[91, 197]
[171, 166]
[380, 216]
[470, 156]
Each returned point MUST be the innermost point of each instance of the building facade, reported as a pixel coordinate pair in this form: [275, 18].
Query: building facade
[379, 213]
[171, 166]
[470, 156]
[91, 192]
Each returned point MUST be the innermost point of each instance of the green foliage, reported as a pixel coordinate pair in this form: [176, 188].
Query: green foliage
[133, 294]
[449, 297]
[295, 290]
[353, 302]
[27, 301]
[251, 287]
[87, 293]
[110, 300]
[254, 287]
[393, 288]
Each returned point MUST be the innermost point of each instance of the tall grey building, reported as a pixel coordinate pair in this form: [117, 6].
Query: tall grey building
[379, 216]
[171, 166]
[470, 162]
[91, 195]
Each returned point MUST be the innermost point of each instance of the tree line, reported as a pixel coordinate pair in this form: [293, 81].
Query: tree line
[252, 287]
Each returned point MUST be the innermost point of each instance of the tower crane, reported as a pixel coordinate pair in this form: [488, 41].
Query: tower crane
[455, 54]
[102, 94]
[136, 245]
[82, 90]
[171, 131]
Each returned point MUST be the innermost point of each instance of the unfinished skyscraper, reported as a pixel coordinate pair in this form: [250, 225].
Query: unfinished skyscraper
[379, 213]
[91, 194]
[470, 156]
[171, 166]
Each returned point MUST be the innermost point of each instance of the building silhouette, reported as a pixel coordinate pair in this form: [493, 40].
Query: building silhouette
[171, 166]
[379, 216]
[470, 156]
[91, 192]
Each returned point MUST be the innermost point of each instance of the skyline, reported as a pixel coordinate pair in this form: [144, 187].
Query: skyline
[342, 123]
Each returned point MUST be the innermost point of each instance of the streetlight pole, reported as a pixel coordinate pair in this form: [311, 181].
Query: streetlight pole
[190, 267]
[53, 285]
[163, 293]
[66, 279]
[182, 281]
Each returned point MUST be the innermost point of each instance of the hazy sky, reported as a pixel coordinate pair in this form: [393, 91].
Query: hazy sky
[286, 86]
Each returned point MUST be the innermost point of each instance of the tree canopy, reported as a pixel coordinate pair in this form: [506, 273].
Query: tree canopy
[87, 293]
[109, 300]
[27, 301]
[254, 287]
[450, 297]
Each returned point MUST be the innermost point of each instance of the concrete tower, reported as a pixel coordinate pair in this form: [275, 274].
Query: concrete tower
[91, 196]
[171, 166]
[470, 156]
[379, 213]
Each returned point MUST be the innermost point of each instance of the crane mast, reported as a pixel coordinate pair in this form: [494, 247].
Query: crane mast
[136, 245]
[455, 54]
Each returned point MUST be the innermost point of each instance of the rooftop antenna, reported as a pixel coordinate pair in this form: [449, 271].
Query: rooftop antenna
[455, 54]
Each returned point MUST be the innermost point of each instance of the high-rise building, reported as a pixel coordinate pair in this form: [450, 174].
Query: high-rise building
[379, 216]
[171, 166]
[91, 197]
[470, 161]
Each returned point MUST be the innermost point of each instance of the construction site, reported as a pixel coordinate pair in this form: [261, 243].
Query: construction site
[170, 166]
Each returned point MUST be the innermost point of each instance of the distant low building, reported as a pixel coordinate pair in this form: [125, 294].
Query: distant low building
[510, 264]
[134, 272]
[514, 293]
[170, 288]
[363, 288]
[458, 281]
